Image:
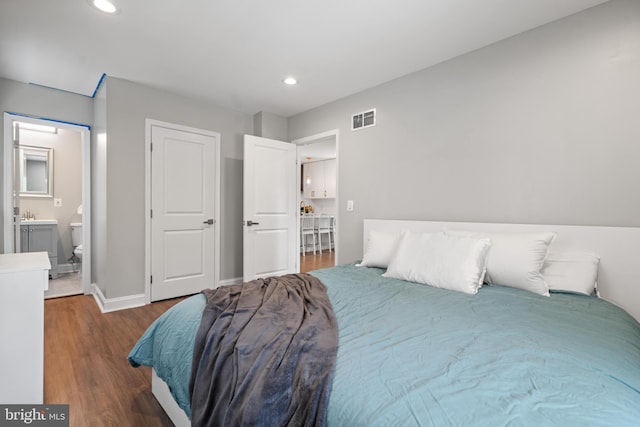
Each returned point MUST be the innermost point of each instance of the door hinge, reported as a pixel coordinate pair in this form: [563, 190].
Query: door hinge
[151, 212]
[151, 279]
[16, 210]
[151, 145]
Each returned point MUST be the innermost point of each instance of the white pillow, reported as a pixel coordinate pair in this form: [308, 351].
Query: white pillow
[515, 259]
[436, 259]
[381, 245]
[571, 271]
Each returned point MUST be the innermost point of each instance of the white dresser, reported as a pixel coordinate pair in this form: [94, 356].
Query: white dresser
[23, 279]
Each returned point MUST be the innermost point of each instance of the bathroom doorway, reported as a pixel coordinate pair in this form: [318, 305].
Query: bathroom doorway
[46, 171]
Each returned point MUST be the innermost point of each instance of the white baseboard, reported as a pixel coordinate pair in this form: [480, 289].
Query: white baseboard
[114, 304]
[234, 281]
[107, 305]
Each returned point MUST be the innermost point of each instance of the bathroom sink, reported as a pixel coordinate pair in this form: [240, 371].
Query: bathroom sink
[40, 221]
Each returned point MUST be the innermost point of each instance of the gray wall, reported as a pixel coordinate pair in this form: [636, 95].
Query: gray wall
[127, 106]
[117, 160]
[539, 128]
[22, 98]
[269, 125]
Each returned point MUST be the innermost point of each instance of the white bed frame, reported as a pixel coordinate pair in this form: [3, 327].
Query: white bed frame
[618, 275]
[160, 390]
[618, 248]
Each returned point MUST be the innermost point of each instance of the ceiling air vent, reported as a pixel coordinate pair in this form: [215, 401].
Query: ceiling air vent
[364, 119]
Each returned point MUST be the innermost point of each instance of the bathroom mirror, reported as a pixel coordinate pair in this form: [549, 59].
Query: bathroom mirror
[36, 171]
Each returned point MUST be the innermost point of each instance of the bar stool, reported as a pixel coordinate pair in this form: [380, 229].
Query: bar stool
[332, 229]
[307, 228]
[324, 227]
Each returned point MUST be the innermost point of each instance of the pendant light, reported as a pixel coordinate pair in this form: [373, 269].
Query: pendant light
[308, 179]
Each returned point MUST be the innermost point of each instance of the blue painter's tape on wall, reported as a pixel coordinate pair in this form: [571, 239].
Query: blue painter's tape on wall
[99, 84]
[50, 120]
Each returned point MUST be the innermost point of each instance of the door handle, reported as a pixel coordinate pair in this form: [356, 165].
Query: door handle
[250, 223]
[209, 221]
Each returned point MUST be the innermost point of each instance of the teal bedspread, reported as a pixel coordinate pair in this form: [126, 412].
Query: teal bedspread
[410, 354]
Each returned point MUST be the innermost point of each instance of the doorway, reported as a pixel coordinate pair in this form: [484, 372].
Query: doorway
[317, 161]
[46, 197]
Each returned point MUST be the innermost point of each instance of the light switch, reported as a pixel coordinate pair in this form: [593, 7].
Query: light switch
[57, 203]
[350, 205]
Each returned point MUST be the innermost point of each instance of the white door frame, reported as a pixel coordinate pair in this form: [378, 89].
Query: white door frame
[85, 135]
[310, 140]
[149, 123]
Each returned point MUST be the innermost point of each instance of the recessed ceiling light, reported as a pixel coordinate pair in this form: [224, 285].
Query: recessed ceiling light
[290, 81]
[105, 6]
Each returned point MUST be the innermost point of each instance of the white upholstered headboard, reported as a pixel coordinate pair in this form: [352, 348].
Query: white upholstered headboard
[618, 248]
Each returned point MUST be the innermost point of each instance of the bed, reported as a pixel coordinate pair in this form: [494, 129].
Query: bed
[414, 354]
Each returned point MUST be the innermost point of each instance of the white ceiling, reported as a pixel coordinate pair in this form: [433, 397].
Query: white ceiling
[234, 53]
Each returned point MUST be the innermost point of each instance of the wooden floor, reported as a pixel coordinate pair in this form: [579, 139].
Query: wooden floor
[86, 365]
[311, 262]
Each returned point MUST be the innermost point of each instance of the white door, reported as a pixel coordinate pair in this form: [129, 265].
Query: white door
[269, 209]
[183, 194]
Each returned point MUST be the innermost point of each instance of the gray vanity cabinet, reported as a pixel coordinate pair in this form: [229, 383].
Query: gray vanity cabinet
[41, 238]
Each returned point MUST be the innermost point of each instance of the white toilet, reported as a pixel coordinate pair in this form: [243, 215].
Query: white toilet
[76, 239]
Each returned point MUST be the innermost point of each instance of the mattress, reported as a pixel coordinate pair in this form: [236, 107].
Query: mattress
[410, 354]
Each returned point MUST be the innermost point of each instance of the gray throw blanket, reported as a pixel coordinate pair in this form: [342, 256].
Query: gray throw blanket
[264, 354]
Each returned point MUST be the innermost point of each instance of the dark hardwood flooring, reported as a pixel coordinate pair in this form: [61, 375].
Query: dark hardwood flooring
[85, 363]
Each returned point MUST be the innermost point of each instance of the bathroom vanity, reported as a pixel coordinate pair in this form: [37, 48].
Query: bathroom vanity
[23, 279]
[41, 235]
